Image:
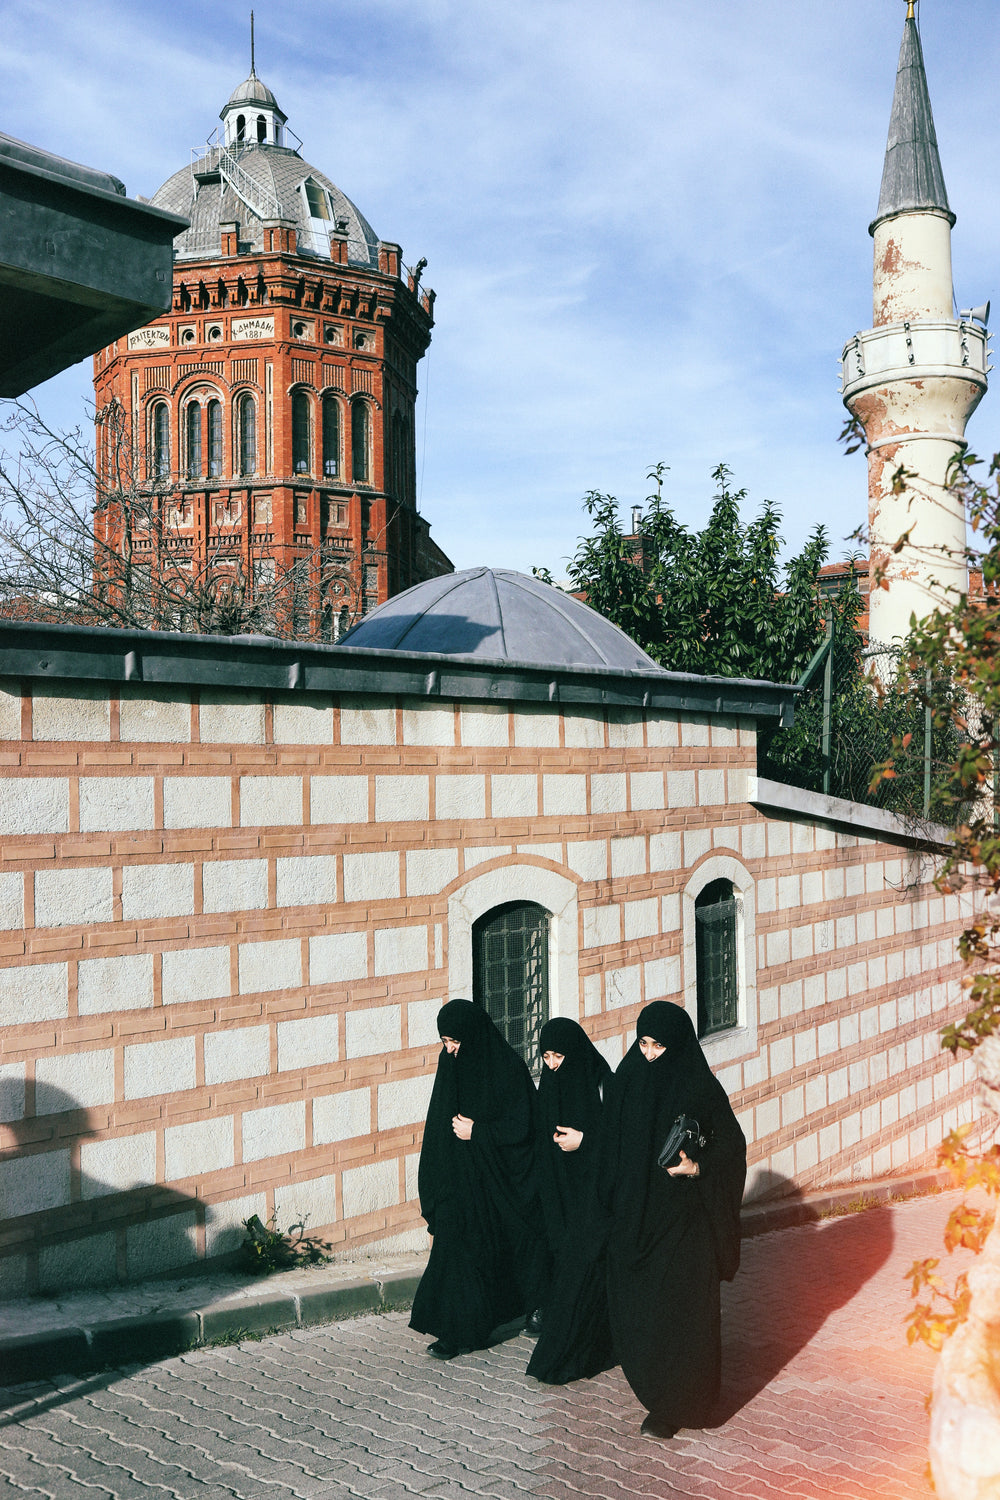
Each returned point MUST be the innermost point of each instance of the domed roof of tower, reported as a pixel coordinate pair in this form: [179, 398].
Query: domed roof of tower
[912, 178]
[493, 614]
[253, 91]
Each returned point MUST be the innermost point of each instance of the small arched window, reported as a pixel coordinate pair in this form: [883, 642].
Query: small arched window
[300, 433]
[241, 127]
[331, 438]
[715, 919]
[193, 425]
[261, 128]
[246, 412]
[160, 441]
[214, 415]
[360, 428]
[510, 972]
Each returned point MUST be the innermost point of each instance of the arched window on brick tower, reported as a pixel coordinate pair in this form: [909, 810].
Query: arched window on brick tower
[192, 422]
[715, 917]
[159, 441]
[360, 440]
[510, 972]
[331, 437]
[214, 423]
[246, 414]
[300, 433]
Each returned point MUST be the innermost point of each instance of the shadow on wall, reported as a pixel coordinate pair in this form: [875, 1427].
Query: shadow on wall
[787, 1287]
[77, 1211]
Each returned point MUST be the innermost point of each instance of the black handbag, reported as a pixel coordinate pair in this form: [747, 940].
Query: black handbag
[684, 1134]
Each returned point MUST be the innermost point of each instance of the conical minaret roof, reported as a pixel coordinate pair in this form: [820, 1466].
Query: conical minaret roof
[912, 178]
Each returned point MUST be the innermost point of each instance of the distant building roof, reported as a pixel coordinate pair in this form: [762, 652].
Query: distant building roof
[492, 614]
[912, 178]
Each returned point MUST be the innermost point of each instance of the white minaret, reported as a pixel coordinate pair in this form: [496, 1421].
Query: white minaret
[914, 379]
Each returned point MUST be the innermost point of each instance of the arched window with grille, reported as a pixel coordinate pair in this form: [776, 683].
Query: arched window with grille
[331, 437]
[300, 433]
[715, 917]
[510, 972]
[159, 433]
[246, 414]
[214, 422]
[192, 421]
[360, 439]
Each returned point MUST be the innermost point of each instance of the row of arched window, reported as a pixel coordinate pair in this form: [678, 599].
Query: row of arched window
[315, 445]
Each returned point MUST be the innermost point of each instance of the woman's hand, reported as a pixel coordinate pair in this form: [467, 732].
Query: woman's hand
[684, 1168]
[462, 1126]
[567, 1139]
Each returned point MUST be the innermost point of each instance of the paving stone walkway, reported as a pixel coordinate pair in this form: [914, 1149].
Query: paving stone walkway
[822, 1399]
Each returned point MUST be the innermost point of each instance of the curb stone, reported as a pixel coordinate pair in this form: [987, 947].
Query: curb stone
[80, 1347]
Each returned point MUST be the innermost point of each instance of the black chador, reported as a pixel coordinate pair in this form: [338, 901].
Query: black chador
[488, 1258]
[575, 1339]
[673, 1239]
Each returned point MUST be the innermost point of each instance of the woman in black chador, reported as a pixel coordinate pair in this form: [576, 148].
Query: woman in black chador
[488, 1258]
[575, 1339]
[675, 1233]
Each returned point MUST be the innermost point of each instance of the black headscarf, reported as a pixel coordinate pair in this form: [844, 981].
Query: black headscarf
[568, 1095]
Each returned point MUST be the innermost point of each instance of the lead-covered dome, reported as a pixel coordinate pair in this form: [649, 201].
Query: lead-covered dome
[494, 614]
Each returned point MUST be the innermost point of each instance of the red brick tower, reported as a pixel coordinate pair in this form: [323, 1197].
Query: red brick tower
[272, 409]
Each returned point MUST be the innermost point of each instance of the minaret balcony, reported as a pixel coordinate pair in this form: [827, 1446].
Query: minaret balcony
[915, 351]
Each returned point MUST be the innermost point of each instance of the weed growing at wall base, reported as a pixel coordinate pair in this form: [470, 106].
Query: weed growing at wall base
[267, 1248]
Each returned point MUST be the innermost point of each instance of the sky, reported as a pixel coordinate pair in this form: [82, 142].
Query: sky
[646, 223]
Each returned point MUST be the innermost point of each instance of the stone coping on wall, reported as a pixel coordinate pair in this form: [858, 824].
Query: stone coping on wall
[167, 658]
[854, 817]
[91, 1330]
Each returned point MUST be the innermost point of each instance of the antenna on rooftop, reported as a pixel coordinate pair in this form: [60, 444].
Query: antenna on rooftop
[253, 70]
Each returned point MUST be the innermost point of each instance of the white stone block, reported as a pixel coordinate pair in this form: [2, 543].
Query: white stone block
[854, 880]
[587, 858]
[307, 880]
[10, 709]
[165, 890]
[711, 788]
[662, 733]
[308, 1043]
[117, 1165]
[371, 877]
[479, 854]
[404, 1103]
[601, 926]
[460, 796]
[200, 1147]
[737, 788]
[593, 1001]
[342, 1117]
[224, 1222]
[34, 804]
[234, 885]
[695, 730]
[621, 987]
[536, 725]
[123, 983]
[79, 1080]
[833, 881]
[78, 711]
[231, 717]
[682, 789]
[777, 948]
[789, 895]
[625, 728]
[161, 1245]
[779, 839]
[379, 1029]
[362, 723]
[274, 1130]
[564, 796]
[485, 724]
[662, 977]
[697, 843]
[428, 871]
[412, 1166]
[116, 804]
[30, 1184]
[670, 920]
[273, 965]
[166, 1067]
[402, 799]
[313, 1203]
[421, 1023]
[11, 1092]
[647, 791]
[665, 851]
[270, 800]
[154, 715]
[725, 733]
[308, 723]
[368, 1188]
[426, 723]
[194, 974]
[642, 918]
[514, 796]
[608, 792]
[338, 799]
[33, 992]
[628, 856]
[338, 956]
[242, 1052]
[584, 728]
[754, 841]
[197, 802]
[70, 898]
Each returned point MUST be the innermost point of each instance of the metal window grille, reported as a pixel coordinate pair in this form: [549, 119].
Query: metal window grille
[331, 438]
[510, 972]
[194, 440]
[248, 435]
[214, 438]
[300, 433]
[715, 944]
[359, 442]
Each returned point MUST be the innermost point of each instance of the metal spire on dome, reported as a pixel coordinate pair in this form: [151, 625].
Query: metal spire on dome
[912, 177]
[253, 70]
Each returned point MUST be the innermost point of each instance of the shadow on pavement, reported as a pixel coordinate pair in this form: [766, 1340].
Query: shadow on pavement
[788, 1286]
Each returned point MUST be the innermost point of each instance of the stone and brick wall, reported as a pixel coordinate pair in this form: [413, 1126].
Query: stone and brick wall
[228, 919]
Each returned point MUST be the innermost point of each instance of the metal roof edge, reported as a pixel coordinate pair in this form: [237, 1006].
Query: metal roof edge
[165, 658]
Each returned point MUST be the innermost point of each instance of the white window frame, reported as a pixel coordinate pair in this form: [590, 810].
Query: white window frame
[739, 1040]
